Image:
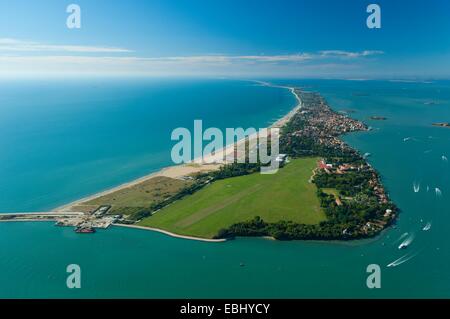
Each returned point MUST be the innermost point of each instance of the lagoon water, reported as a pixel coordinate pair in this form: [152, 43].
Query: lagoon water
[62, 141]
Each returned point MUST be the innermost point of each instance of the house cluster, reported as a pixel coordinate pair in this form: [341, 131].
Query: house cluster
[316, 130]
[326, 167]
[335, 168]
[378, 189]
[324, 125]
[374, 181]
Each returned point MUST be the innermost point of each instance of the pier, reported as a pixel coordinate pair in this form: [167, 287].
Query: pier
[83, 222]
[38, 216]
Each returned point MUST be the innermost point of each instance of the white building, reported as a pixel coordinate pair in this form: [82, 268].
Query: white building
[281, 158]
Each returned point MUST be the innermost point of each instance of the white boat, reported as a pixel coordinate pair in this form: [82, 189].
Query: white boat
[402, 260]
[416, 187]
[427, 227]
[406, 242]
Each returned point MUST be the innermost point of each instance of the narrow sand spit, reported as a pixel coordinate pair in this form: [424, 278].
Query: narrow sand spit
[209, 162]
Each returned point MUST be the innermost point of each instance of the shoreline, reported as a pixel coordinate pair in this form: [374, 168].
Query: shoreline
[175, 171]
[205, 163]
[165, 232]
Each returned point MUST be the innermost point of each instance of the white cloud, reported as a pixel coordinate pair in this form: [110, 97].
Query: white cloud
[23, 57]
[292, 58]
[348, 54]
[278, 58]
[13, 45]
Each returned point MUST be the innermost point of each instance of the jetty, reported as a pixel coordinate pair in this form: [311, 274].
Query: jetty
[79, 220]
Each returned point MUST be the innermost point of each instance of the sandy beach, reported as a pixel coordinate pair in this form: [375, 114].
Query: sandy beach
[171, 172]
[206, 163]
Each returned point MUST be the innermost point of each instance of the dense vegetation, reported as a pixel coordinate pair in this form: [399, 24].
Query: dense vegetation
[283, 230]
[355, 212]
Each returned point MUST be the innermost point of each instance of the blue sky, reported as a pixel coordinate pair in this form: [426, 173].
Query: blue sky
[245, 38]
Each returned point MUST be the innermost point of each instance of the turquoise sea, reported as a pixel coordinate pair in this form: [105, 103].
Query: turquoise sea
[62, 140]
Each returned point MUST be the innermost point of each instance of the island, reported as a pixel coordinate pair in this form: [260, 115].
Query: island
[324, 190]
[349, 190]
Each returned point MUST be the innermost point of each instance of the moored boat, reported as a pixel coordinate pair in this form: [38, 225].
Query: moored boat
[85, 230]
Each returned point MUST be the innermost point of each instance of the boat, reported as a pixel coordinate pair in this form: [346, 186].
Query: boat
[406, 242]
[438, 192]
[427, 227]
[84, 230]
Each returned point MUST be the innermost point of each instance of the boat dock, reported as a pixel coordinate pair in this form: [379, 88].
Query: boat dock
[87, 222]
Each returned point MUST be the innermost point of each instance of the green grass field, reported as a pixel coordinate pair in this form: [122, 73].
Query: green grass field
[287, 195]
[132, 199]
